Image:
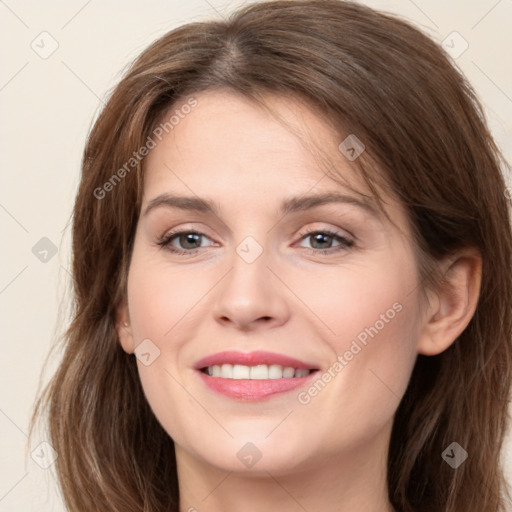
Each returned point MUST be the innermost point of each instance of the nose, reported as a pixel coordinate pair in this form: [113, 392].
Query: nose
[251, 295]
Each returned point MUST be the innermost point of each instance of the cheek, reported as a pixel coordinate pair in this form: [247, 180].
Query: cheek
[159, 301]
[359, 300]
[376, 371]
[372, 319]
[162, 297]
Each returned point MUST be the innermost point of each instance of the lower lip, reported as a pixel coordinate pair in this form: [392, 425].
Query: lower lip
[253, 390]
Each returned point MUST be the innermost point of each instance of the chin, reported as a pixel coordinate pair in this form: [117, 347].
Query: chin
[253, 454]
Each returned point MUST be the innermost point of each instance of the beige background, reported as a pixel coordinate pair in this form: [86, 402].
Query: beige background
[47, 107]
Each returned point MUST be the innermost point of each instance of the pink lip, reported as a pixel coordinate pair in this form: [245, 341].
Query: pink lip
[252, 359]
[253, 390]
[248, 389]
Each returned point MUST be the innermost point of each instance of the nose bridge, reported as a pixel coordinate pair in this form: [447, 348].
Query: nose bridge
[250, 291]
[249, 274]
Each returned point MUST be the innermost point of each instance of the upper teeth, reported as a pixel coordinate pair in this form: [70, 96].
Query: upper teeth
[259, 372]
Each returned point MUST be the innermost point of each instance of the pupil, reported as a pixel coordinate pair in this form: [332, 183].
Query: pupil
[319, 236]
[187, 238]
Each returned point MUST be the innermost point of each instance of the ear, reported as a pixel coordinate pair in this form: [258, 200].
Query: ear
[124, 329]
[450, 308]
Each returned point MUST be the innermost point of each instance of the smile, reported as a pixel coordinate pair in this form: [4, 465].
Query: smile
[258, 372]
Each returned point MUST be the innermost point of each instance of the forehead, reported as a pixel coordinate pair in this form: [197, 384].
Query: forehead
[238, 158]
[230, 143]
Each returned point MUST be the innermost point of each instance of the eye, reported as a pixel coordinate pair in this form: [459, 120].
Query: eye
[190, 241]
[324, 237]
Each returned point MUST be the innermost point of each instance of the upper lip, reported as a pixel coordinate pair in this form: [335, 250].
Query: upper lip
[252, 359]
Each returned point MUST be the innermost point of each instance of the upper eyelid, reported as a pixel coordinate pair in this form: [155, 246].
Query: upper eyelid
[366, 214]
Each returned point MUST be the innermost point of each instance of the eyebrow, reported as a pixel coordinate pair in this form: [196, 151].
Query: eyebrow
[290, 205]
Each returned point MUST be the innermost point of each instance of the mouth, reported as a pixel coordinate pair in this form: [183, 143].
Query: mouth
[258, 372]
[254, 376]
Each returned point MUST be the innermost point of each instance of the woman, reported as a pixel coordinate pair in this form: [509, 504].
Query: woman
[258, 368]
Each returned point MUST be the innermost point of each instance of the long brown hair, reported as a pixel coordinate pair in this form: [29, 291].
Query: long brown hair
[370, 74]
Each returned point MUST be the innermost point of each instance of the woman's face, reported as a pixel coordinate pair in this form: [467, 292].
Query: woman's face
[253, 280]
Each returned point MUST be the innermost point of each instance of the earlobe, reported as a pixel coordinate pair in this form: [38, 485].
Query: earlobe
[124, 329]
[454, 304]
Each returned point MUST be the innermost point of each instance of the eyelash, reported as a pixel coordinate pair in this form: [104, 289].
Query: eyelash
[345, 243]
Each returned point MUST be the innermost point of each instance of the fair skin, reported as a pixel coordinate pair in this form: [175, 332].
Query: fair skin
[329, 453]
